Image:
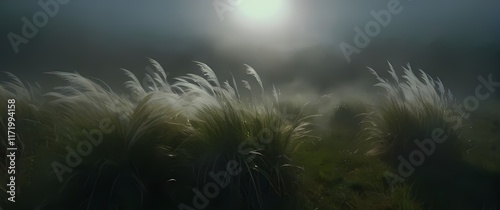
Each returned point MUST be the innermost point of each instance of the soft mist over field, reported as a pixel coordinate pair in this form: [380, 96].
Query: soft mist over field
[455, 40]
[250, 104]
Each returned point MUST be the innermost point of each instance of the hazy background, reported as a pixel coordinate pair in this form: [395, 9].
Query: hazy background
[456, 40]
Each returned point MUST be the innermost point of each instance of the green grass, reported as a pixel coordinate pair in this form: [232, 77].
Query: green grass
[340, 176]
[164, 140]
[167, 137]
[412, 108]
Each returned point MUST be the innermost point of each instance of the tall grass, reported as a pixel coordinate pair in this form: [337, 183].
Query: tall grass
[165, 140]
[412, 107]
[33, 126]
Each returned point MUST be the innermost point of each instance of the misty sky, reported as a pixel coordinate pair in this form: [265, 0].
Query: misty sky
[96, 38]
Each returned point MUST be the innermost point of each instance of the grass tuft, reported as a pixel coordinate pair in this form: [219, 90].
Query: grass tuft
[413, 108]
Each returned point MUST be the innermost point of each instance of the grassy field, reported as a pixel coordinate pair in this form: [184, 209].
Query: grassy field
[195, 142]
[339, 175]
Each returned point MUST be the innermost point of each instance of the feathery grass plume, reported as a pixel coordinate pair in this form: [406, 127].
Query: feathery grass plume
[156, 81]
[221, 121]
[417, 117]
[209, 73]
[134, 85]
[247, 85]
[145, 148]
[414, 108]
[152, 140]
[230, 89]
[32, 127]
[16, 88]
[230, 128]
[250, 71]
[276, 94]
[158, 77]
[83, 102]
[267, 143]
[158, 68]
[28, 101]
[78, 108]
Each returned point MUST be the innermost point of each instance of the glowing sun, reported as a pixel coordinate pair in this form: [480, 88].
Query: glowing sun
[263, 10]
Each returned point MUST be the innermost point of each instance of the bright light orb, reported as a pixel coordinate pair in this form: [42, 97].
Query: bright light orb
[263, 10]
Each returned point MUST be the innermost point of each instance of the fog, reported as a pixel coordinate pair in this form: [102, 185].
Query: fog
[307, 104]
[454, 40]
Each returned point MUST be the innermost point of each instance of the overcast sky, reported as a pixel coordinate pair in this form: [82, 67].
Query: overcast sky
[97, 37]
